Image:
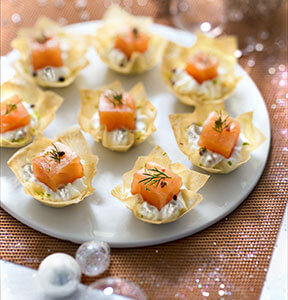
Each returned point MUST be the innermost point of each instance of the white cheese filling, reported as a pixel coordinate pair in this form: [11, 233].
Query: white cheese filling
[21, 132]
[54, 74]
[121, 136]
[117, 57]
[168, 211]
[208, 158]
[184, 83]
[118, 137]
[65, 193]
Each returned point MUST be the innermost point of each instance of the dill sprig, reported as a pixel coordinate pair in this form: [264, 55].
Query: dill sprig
[56, 154]
[116, 99]
[155, 177]
[41, 38]
[221, 124]
[135, 31]
[10, 107]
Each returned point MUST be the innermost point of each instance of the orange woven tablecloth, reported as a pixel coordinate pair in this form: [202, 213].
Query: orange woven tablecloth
[230, 259]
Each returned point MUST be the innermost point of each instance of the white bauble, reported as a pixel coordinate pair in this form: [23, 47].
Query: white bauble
[59, 275]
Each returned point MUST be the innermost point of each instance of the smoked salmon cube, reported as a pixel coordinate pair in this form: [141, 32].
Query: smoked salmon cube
[220, 134]
[117, 111]
[13, 114]
[57, 165]
[157, 185]
[46, 52]
[131, 40]
[202, 67]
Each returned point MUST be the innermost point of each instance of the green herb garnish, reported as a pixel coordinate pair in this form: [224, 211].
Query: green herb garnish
[245, 144]
[41, 194]
[135, 31]
[139, 135]
[37, 115]
[41, 38]
[154, 177]
[229, 163]
[221, 124]
[9, 108]
[116, 99]
[18, 140]
[56, 154]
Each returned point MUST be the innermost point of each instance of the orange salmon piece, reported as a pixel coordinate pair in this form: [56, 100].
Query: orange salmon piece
[13, 114]
[46, 53]
[57, 172]
[202, 67]
[160, 194]
[117, 111]
[131, 40]
[220, 142]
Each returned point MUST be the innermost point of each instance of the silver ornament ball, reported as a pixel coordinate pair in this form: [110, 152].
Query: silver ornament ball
[93, 257]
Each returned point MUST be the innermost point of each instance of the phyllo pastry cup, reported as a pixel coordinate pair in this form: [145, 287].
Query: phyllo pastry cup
[70, 193]
[40, 108]
[191, 182]
[65, 52]
[206, 50]
[119, 139]
[187, 130]
[147, 50]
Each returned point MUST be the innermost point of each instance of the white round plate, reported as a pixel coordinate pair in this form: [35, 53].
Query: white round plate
[103, 217]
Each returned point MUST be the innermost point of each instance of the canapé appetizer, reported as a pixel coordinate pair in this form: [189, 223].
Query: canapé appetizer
[158, 191]
[203, 73]
[25, 112]
[50, 56]
[59, 172]
[117, 118]
[217, 143]
[125, 43]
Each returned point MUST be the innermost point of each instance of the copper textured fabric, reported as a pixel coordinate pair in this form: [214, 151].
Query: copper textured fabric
[230, 259]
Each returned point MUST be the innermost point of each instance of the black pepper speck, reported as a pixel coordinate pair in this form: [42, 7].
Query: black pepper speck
[202, 151]
[163, 184]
